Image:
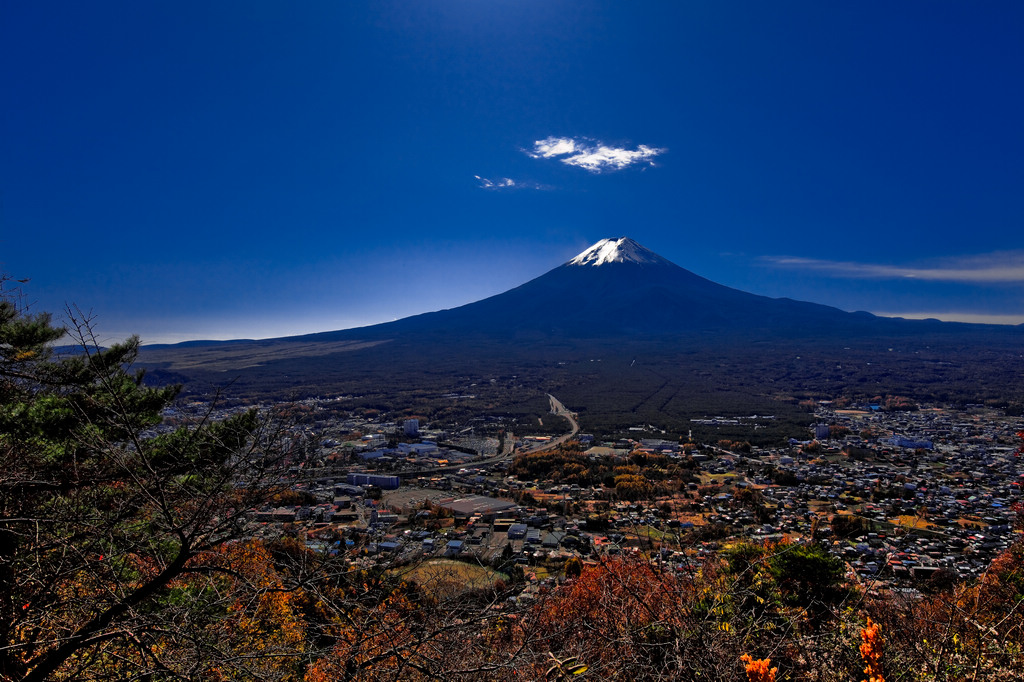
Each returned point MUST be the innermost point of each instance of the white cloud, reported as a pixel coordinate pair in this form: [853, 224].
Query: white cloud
[553, 146]
[595, 157]
[988, 268]
[500, 183]
[506, 183]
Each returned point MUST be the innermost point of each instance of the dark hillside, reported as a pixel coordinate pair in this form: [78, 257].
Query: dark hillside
[622, 342]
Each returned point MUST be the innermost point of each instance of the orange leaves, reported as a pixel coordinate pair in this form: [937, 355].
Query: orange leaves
[612, 591]
[758, 670]
[253, 617]
[373, 643]
[619, 608]
[871, 652]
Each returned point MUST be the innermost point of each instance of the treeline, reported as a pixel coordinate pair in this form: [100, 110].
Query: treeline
[640, 475]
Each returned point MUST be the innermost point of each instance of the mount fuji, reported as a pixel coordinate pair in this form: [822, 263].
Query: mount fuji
[623, 250]
[618, 288]
[619, 318]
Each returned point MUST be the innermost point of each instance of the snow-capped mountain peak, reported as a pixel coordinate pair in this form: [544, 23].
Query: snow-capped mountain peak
[622, 250]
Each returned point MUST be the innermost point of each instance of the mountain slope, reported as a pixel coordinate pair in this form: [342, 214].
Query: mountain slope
[623, 332]
[618, 288]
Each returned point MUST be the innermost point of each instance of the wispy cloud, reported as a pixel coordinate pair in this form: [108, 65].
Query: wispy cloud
[1006, 266]
[500, 183]
[506, 183]
[591, 155]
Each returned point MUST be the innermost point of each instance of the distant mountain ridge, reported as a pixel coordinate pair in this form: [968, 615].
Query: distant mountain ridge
[621, 305]
[617, 286]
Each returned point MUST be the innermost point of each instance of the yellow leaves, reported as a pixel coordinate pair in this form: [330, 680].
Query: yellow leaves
[561, 669]
[272, 623]
[262, 621]
[25, 355]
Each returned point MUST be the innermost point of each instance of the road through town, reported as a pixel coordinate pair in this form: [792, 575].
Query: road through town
[557, 408]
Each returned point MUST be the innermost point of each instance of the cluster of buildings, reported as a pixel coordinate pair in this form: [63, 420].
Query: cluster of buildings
[417, 455]
[918, 494]
[940, 488]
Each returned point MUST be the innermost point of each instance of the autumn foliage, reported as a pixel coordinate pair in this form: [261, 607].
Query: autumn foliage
[871, 652]
[126, 556]
[758, 669]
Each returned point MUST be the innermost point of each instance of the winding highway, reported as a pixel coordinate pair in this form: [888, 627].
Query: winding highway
[557, 408]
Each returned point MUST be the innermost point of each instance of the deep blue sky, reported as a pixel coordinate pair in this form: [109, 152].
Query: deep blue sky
[250, 169]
